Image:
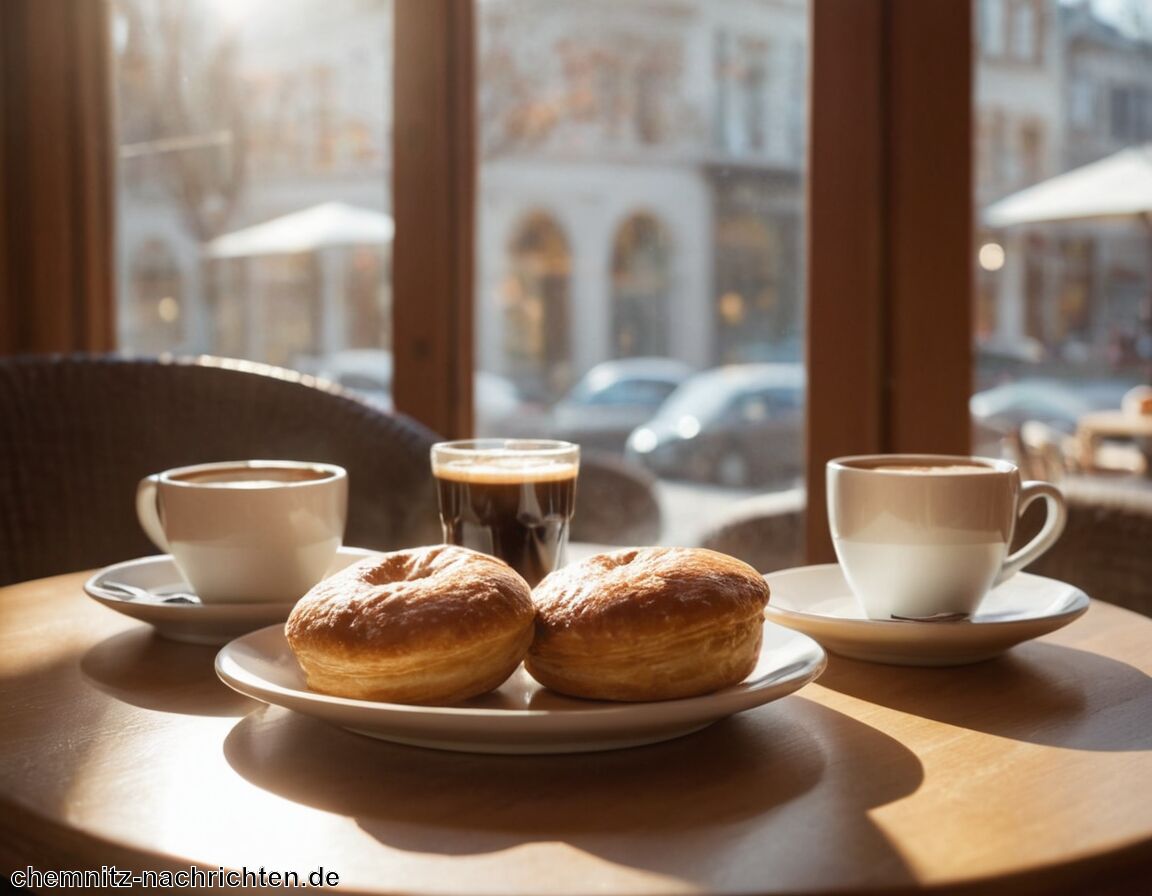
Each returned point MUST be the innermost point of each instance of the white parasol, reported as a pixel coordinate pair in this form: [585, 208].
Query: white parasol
[1115, 186]
[320, 227]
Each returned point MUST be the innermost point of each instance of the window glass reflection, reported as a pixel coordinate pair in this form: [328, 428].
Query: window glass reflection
[254, 178]
[1063, 315]
[639, 249]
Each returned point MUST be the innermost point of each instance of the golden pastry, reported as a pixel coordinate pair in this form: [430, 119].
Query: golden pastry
[648, 624]
[430, 625]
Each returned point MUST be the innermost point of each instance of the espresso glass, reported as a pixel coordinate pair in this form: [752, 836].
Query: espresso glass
[511, 498]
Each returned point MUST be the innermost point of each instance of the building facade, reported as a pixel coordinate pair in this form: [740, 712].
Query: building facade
[640, 185]
[640, 188]
[1058, 88]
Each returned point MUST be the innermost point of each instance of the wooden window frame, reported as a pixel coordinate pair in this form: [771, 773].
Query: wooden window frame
[890, 279]
[433, 204]
[889, 213]
[57, 218]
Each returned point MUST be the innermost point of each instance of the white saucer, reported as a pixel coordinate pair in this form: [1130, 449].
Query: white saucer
[817, 600]
[191, 622]
[521, 716]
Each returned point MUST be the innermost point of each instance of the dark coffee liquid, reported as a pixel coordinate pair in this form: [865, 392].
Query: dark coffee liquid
[524, 523]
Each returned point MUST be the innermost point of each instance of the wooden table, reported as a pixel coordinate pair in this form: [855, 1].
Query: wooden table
[1032, 772]
[1097, 425]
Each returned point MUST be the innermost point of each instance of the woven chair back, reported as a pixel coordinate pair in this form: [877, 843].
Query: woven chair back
[77, 433]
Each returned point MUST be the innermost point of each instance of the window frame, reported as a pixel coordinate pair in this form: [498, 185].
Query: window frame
[889, 221]
[57, 238]
[890, 215]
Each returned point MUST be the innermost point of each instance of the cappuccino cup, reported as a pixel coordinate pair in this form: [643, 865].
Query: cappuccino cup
[925, 536]
[247, 531]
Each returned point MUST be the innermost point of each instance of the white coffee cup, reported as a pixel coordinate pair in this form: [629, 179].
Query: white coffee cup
[922, 535]
[249, 530]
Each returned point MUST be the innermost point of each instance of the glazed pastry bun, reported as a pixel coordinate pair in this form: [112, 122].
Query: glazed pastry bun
[648, 624]
[430, 625]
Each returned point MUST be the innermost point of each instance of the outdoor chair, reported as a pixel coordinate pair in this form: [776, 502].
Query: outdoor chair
[765, 531]
[616, 502]
[78, 433]
[1104, 548]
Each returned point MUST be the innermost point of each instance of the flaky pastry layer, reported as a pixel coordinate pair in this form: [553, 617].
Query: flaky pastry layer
[648, 624]
[430, 625]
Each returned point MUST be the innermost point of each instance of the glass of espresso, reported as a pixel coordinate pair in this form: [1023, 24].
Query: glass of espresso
[512, 498]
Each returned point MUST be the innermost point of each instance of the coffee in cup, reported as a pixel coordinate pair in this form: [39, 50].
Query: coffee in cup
[247, 531]
[512, 498]
[927, 536]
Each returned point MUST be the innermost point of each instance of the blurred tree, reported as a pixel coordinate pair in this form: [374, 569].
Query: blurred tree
[182, 108]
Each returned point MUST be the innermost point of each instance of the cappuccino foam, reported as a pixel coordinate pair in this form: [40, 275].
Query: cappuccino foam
[252, 477]
[929, 469]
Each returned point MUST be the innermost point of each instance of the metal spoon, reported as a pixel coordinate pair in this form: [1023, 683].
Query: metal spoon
[939, 617]
[131, 592]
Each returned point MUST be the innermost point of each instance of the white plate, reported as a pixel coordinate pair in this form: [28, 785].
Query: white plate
[194, 623]
[817, 600]
[520, 716]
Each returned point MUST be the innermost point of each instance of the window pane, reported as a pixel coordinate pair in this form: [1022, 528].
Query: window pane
[639, 257]
[1063, 263]
[254, 182]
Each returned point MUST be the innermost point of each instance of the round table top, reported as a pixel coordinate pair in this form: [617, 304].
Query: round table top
[1031, 770]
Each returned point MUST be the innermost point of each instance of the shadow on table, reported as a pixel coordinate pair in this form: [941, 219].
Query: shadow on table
[1037, 692]
[661, 807]
[139, 667]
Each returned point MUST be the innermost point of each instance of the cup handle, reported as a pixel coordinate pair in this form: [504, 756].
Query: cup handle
[148, 514]
[1053, 526]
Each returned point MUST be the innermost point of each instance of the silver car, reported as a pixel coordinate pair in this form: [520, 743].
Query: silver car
[615, 397]
[740, 425]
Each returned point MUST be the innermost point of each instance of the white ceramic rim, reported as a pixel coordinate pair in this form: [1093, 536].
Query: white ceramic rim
[472, 449]
[806, 661]
[1077, 603]
[128, 569]
[333, 473]
[854, 462]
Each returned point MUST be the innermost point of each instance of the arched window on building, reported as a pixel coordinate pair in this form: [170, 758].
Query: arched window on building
[535, 297]
[1036, 305]
[755, 310]
[156, 317]
[1026, 19]
[368, 298]
[993, 28]
[641, 282]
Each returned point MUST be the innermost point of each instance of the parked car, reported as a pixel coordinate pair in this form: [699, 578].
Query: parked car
[1000, 411]
[740, 425]
[615, 397]
[500, 409]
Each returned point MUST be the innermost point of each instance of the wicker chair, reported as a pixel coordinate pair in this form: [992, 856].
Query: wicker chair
[766, 531]
[77, 433]
[1106, 548]
[616, 502]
